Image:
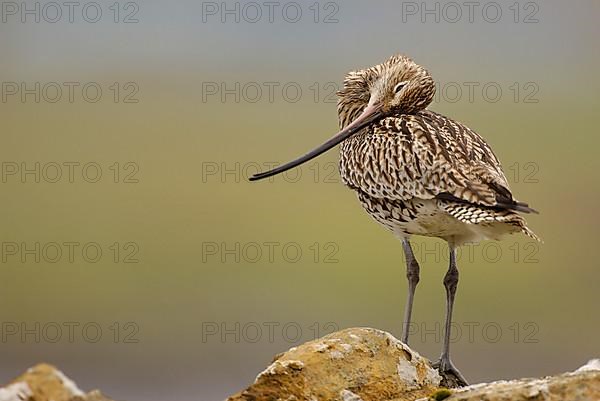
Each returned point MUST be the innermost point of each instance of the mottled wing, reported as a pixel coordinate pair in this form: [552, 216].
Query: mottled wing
[426, 156]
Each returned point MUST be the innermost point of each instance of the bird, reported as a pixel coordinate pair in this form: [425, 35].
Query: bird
[418, 173]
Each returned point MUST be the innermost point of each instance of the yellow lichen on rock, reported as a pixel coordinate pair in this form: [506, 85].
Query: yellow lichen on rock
[44, 382]
[349, 365]
[362, 364]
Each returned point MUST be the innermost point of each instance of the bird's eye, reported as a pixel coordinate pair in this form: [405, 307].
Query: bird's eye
[399, 86]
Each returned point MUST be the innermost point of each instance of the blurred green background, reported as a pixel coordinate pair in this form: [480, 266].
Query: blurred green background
[224, 273]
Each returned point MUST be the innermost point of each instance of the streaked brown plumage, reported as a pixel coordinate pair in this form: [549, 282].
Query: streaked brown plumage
[415, 167]
[418, 172]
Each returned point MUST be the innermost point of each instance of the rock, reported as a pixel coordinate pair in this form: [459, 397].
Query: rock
[362, 364]
[583, 384]
[44, 382]
[94, 395]
[15, 391]
[357, 364]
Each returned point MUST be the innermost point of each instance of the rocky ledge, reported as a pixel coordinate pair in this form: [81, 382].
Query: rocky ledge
[358, 364]
[44, 382]
[362, 364]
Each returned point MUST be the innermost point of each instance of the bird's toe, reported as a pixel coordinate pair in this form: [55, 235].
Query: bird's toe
[451, 376]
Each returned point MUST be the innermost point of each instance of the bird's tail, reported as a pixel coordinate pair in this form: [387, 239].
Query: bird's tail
[519, 207]
[527, 231]
[520, 223]
[474, 214]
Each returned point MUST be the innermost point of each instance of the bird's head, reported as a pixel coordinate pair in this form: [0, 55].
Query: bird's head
[396, 86]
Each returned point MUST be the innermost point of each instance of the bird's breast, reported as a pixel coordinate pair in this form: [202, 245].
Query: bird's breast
[379, 160]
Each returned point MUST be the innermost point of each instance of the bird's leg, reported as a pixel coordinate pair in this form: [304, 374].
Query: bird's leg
[412, 274]
[445, 365]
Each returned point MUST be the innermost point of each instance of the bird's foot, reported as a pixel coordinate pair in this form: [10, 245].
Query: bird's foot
[451, 377]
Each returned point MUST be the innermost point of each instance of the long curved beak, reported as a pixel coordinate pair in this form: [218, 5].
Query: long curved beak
[369, 114]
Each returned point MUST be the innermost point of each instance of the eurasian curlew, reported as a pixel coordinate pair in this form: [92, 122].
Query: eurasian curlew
[418, 172]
